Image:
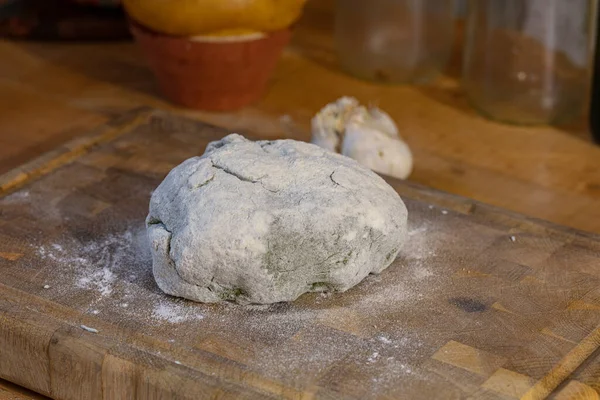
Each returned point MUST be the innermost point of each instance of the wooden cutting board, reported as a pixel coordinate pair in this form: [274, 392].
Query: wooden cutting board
[481, 303]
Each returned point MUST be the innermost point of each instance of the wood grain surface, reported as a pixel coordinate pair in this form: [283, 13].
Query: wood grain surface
[481, 303]
[50, 93]
[10, 391]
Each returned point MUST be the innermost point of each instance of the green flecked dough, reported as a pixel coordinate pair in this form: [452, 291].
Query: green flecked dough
[265, 222]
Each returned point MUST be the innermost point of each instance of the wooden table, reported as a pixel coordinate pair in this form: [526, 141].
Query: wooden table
[50, 93]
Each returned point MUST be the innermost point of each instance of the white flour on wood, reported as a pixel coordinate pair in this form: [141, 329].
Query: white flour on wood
[113, 267]
[314, 333]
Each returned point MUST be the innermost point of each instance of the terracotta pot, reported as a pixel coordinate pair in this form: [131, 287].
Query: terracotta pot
[208, 73]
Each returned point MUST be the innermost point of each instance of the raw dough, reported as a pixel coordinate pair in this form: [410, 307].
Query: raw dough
[367, 135]
[264, 222]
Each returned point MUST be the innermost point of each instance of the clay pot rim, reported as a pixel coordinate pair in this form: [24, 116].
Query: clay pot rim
[204, 38]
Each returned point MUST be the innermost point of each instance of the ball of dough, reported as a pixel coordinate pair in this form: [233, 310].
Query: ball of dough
[265, 222]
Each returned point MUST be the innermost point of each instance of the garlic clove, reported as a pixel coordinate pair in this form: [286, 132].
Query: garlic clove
[329, 124]
[377, 151]
[368, 135]
[382, 120]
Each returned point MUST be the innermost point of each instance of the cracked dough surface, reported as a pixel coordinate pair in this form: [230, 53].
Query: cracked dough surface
[264, 222]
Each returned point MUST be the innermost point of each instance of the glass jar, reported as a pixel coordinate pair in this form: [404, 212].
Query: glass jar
[527, 61]
[394, 41]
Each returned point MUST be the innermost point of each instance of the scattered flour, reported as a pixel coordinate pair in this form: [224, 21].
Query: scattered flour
[405, 368]
[20, 196]
[373, 357]
[418, 251]
[385, 340]
[113, 267]
[56, 253]
[421, 272]
[175, 313]
[101, 280]
[282, 338]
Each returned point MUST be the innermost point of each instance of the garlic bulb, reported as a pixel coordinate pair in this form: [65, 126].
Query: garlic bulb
[368, 135]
